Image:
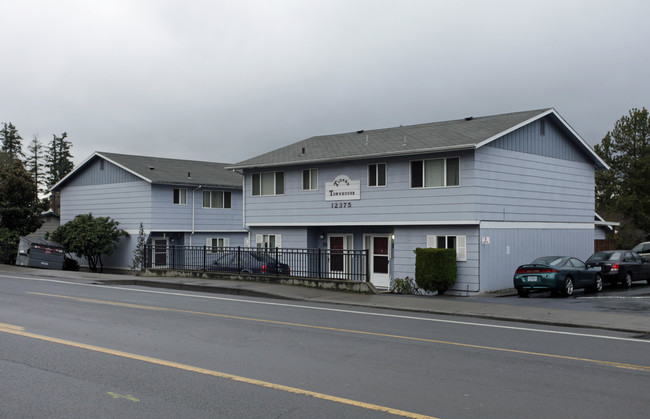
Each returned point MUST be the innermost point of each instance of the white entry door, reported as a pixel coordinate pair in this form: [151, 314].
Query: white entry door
[379, 254]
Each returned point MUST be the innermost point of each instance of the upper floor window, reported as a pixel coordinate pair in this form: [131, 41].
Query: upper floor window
[217, 199]
[435, 173]
[310, 179]
[268, 183]
[377, 174]
[180, 196]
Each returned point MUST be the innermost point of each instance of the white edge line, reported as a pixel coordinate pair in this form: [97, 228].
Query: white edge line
[211, 297]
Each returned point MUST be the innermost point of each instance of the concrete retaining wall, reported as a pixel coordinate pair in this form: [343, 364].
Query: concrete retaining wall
[326, 284]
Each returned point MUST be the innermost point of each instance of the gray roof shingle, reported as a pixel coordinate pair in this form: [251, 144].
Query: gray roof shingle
[158, 170]
[467, 133]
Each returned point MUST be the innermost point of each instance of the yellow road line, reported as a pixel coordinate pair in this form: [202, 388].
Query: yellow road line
[359, 332]
[17, 331]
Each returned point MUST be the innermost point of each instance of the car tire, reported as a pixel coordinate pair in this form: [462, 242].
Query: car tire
[568, 288]
[522, 292]
[598, 284]
[627, 282]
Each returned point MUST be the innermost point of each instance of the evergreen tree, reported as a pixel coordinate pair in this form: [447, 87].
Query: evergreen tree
[138, 253]
[624, 188]
[59, 159]
[35, 164]
[11, 141]
[58, 164]
[20, 208]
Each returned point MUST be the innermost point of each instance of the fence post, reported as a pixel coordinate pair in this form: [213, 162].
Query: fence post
[238, 258]
[205, 256]
[367, 265]
[277, 261]
[319, 262]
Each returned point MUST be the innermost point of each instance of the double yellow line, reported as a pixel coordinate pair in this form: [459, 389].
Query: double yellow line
[16, 330]
[19, 331]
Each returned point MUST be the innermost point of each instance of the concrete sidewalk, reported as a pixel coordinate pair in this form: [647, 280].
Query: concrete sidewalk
[447, 305]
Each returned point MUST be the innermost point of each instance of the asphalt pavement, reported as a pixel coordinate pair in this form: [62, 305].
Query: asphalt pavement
[487, 308]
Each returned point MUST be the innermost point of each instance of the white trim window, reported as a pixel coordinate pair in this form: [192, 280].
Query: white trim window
[180, 196]
[435, 173]
[217, 199]
[310, 180]
[376, 175]
[268, 241]
[268, 183]
[450, 242]
[215, 244]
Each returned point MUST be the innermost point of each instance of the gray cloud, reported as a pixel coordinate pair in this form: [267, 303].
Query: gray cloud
[225, 81]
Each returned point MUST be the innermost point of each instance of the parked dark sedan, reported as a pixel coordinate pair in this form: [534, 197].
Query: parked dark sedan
[622, 266]
[250, 261]
[559, 274]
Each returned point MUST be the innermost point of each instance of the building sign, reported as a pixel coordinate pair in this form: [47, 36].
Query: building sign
[342, 189]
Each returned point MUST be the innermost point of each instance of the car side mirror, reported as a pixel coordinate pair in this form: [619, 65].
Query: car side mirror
[644, 259]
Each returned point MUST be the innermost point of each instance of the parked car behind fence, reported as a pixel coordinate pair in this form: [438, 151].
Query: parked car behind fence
[351, 265]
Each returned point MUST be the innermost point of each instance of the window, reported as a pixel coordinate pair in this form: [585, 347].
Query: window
[268, 183]
[268, 241]
[180, 196]
[310, 179]
[216, 244]
[377, 174]
[435, 173]
[450, 242]
[542, 127]
[217, 199]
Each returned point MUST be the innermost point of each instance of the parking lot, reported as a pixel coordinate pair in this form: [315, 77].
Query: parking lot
[613, 299]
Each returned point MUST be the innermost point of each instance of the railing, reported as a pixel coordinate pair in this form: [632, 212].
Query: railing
[309, 263]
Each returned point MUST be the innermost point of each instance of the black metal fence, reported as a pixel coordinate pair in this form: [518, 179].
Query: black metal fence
[310, 263]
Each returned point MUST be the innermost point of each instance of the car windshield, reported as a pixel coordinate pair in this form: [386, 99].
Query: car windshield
[638, 248]
[602, 256]
[548, 260]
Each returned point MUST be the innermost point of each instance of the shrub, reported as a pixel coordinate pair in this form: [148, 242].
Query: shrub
[435, 269]
[405, 285]
[70, 264]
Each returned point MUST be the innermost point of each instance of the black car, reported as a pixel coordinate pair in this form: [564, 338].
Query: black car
[250, 261]
[622, 266]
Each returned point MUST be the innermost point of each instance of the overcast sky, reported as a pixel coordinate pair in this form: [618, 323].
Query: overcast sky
[225, 81]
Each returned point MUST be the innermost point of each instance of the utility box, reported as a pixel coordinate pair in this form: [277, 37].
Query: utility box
[40, 253]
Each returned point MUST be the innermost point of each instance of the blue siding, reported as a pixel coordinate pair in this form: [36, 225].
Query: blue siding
[394, 203]
[94, 175]
[512, 247]
[128, 203]
[554, 143]
[167, 216]
[199, 239]
[514, 186]
[407, 239]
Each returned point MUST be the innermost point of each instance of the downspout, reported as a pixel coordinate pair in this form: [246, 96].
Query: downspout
[193, 207]
[243, 201]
